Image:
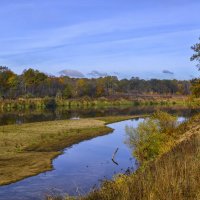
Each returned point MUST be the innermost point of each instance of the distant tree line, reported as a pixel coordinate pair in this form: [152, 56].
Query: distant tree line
[33, 83]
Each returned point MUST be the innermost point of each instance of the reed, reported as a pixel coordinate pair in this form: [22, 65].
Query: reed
[44, 103]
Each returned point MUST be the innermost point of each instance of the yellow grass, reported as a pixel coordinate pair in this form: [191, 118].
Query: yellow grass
[28, 149]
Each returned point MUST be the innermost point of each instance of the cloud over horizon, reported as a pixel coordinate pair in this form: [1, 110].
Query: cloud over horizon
[72, 73]
[96, 73]
[167, 72]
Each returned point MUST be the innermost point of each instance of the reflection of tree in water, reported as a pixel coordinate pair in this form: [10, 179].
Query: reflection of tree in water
[13, 117]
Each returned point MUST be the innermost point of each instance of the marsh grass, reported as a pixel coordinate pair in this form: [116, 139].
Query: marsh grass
[84, 102]
[173, 175]
[28, 149]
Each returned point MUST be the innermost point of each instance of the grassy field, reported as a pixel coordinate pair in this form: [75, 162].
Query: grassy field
[28, 149]
[172, 175]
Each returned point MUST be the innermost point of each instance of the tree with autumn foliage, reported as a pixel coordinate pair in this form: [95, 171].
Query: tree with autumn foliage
[33, 84]
[8, 81]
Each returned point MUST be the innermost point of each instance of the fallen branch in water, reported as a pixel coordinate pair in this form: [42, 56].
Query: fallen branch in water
[113, 157]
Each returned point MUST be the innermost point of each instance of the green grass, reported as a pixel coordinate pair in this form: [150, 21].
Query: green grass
[28, 149]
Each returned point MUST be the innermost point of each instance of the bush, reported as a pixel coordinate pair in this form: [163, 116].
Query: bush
[151, 136]
[166, 122]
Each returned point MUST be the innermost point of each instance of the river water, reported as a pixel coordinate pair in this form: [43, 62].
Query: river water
[84, 165]
[13, 117]
[79, 168]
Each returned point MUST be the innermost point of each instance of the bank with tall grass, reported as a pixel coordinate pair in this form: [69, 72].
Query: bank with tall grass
[169, 157]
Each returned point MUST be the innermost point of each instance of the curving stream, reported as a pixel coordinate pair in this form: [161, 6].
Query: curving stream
[80, 168]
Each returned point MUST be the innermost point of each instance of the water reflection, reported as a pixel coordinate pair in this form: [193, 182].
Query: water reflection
[57, 114]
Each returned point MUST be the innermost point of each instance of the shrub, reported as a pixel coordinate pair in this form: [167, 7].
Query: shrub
[151, 135]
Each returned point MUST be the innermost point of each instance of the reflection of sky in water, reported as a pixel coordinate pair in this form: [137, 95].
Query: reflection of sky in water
[80, 168]
[181, 119]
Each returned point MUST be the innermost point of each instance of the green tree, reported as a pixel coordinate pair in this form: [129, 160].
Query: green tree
[33, 81]
[196, 55]
[81, 87]
[100, 87]
[67, 92]
[150, 136]
[196, 87]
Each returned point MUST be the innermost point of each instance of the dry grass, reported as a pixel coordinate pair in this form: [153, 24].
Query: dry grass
[16, 166]
[19, 137]
[173, 175]
[28, 149]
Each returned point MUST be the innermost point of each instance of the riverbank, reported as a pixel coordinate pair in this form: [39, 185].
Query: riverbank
[28, 149]
[86, 102]
[172, 175]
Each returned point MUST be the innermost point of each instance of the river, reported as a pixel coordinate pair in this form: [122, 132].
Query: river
[81, 167]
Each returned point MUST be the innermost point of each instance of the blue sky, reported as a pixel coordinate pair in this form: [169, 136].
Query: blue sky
[124, 37]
